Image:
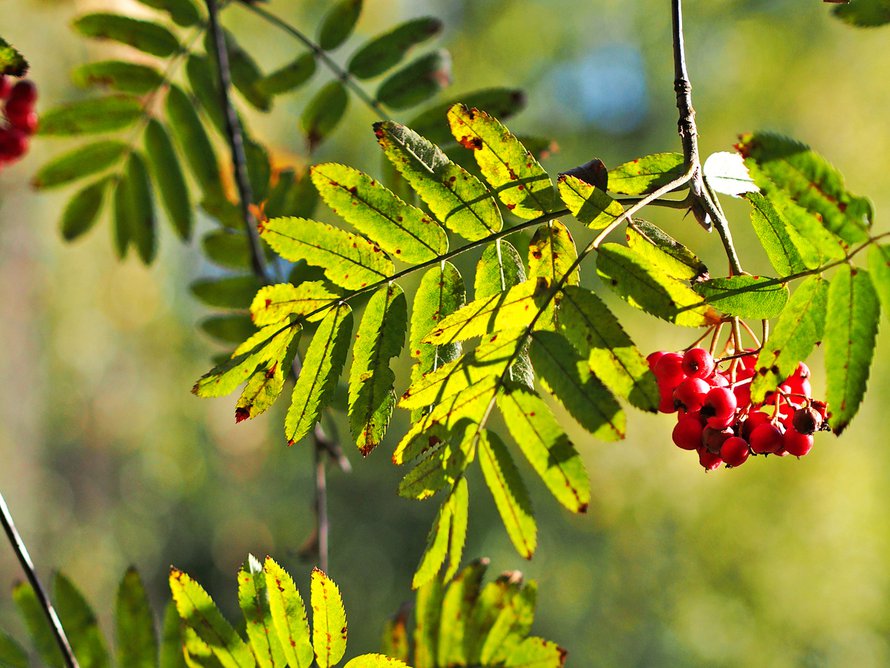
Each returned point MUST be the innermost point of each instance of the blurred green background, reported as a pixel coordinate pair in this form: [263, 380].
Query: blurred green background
[107, 460]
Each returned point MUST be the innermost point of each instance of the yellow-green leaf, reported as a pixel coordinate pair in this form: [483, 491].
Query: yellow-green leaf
[288, 616]
[276, 303]
[253, 598]
[446, 538]
[647, 174]
[587, 203]
[375, 661]
[536, 653]
[456, 612]
[328, 620]
[750, 297]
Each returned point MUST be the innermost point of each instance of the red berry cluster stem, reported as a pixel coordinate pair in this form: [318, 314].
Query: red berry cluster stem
[715, 415]
[19, 121]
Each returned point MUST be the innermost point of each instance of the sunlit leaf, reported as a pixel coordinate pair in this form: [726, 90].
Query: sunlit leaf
[456, 611]
[446, 538]
[512, 624]
[322, 364]
[82, 210]
[338, 23]
[275, 303]
[119, 75]
[751, 297]
[662, 250]
[140, 34]
[416, 82]
[170, 652]
[456, 197]
[551, 252]
[288, 616]
[348, 260]
[851, 325]
[501, 103]
[289, 77]
[514, 173]
[375, 661]
[546, 446]
[647, 174]
[183, 12]
[536, 653]
[324, 112]
[431, 474]
[385, 51]
[589, 204]
[815, 243]
[798, 328]
[772, 230]
[328, 620]
[169, 178]
[441, 293]
[253, 598]
[80, 624]
[90, 116]
[403, 231]
[727, 174]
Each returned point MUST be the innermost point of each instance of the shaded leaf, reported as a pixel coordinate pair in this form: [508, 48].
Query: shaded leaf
[427, 613]
[82, 210]
[779, 162]
[322, 364]
[647, 174]
[546, 446]
[140, 34]
[512, 624]
[864, 13]
[12, 655]
[499, 102]
[200, 614]
[401, 230]
[348, 260]
[227, 291]
[328, 620]
[879, 268]
[12, 62]
[123, 214]
[31, 612]
[517, 177]
[851, 325]
[385, 51]
[429, 476]
[169, 178]
[275, 303]
[204, 86]
[143, 232]
[338, 23]
[772, 230]
[228, 328]
[80, 624]
[97, 114]
[395, 636]
[416, 82]
[119, 75]
[253, 598]
[492, 598]
[288, 615]
[446, 537]
[183, 12]
[509, 493]
[137, 641]
[194, 143]
[816, 244]
[79, 162]
[227, 248]
[380, 337]
[170, 654]
[324, 112]
[289, 77]
[798, 329]
[457, 198]
[751, 297]
[589, 204]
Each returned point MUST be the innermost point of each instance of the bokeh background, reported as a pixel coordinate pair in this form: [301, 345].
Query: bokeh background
[107, 460]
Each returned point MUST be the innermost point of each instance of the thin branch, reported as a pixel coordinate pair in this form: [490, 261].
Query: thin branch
[18, 546]
[320, 53]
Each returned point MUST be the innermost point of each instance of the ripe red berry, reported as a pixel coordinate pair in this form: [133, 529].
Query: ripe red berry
[766, 439]
[653, 358]
[755, 419]
[691, 393]
[734, 451]
[26, 122]
[5, 87]
[687, 433]
[25, 91]
[669, 370]
[797, 444]
[698, 363]
[13, 144]
[708, 459]
[719, 408]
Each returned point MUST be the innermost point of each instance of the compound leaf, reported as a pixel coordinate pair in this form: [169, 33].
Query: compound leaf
[551, 252]
[328, 620]
[276, 303]
[662, 250]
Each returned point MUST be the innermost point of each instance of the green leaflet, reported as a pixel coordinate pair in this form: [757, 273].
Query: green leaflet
[401, 230]
[501, 103]
[290, 77]
[851, 325]
[864, 13]
[380, 337]
[546, 446]
[595, 332]
[781, 163]
[590, 205]
[647, 174]
[253, 598]
[119, 75]
[798, 329]
[510, 626]
[492, 598]
[662, 250]
[183, 12]
[551, 252]
[143, 232]
[348, 260]
[267, 381]
[12, 62]
[328, 620]
[446, 537]
[440, 293]
[772, 230]
[12, 655]
[227, 248]
[375, 661]
[510, 310]
[559, 369]
[142, 35]
[751, 297]
[457, 198]
[194, 143]
[321, 368]
[91, 116]
[200, 614]
[121, 232]
[394, 642]
[323, 113]
[137, 641]
[509, 493]
[517, 177]
[815, 243]
[386, 51]
[169, 178]
[203, 84]
[430, 475]
[879, 268]
[80, 624]
[643, 284]
[82, 210]
[456, 611]
[170, 653]
[417, 81]
[244, 71]
[31, 613]
[230, 328]
[276, 303]
[79, 162]
[288, 616]
[536, 653]
[338, 24]
[427, 613]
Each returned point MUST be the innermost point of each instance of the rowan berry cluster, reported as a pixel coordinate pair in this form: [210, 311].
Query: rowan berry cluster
[715, 415]
[20, 119]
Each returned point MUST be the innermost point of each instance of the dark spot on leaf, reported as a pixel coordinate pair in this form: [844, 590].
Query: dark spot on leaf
[241, 414]
[537, 254]
[511, 206]
[472, 143]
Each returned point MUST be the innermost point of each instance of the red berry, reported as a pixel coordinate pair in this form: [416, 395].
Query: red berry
[742, 392]
[766, 439]
[653, 358]
[687, 433]
[797, 444]
[708, 459]
[26, 122]
[24, 90]
[691, 393]
[5, 87]
[669, 370]
[13, 143]
[713, 439]
[734, 451]
[698, 363]
[719, 408]
[754, 420]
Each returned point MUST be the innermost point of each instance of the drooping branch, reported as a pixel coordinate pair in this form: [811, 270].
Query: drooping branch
[18, 546]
